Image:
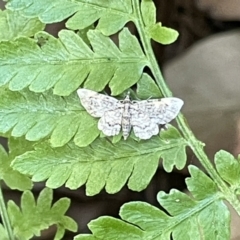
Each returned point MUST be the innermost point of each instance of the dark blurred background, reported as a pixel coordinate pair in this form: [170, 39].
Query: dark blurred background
[203, 68]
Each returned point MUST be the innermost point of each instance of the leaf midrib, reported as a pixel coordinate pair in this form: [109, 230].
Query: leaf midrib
[108, 10]
[41, 111]
[74, 160]
[156, 150]
[94, 60]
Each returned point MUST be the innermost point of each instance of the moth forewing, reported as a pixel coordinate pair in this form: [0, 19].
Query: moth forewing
[95, 103]
[173, 106]
[173, 101]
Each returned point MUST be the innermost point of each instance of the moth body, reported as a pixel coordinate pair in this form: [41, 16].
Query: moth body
[126, 125]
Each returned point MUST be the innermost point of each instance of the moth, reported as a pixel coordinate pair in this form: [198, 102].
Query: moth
[143, 116]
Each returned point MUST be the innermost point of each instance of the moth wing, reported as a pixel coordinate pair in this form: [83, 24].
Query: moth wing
[95, 103]
[110, 122]
[142, 125]
[160, 111]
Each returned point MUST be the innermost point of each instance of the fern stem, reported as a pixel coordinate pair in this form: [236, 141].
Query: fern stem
[193, 142]
[5, 217]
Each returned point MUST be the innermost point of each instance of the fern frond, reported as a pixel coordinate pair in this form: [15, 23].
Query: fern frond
[103, 164]
[85, 12]
[39, 115]
[12, 178]
[67, 62]
[205, 216]
[228, 168]
[13, 25]
[34, 216]
[3, 233]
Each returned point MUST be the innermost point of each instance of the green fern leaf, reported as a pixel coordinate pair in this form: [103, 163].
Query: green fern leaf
[147, 88]
[13, 25]
[101, 164]
[162, 34]
[228, 167]
[119, 230]
[203, 217]
[67, 62]
[37, 116]
[85, 12]
[3, 233]
[12, 178]
[35, 216]
[18, 146]
[148, 10]
[40, 115]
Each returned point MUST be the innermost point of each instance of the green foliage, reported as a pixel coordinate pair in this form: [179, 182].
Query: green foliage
[203, 217]
[12, 178]
[146, 88]
[35, 216]
[37, 116]
[162, 34]
[228, 168]
[40, 115]
[155, 30]
[148, 10]
[103, 164]
[13, 25]
[67, 62]
[86, 12]
[3, 233]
